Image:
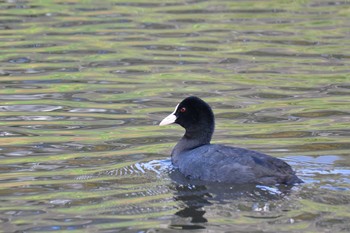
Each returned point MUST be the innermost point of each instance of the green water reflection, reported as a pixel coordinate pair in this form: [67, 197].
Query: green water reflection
[83, 85]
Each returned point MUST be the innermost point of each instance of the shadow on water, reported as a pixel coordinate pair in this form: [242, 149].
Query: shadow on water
[196, 196]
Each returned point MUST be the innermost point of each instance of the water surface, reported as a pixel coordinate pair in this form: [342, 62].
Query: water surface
[84, 84]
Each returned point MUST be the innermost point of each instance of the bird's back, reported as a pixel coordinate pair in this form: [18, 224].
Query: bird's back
[234, 165]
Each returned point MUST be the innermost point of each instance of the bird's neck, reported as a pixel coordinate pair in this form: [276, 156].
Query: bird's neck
[201, 135]
[193, 138]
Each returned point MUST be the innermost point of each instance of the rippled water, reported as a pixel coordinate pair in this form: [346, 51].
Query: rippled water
[83, 85]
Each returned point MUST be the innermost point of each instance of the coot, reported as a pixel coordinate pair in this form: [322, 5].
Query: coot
[196, 158]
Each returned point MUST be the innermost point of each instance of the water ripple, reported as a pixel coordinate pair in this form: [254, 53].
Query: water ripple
[83, 87]
[29, 108]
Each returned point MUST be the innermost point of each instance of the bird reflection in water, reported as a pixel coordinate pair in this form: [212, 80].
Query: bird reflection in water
[197, 196]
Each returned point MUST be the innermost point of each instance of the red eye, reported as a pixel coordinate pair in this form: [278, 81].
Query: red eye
[183, 109]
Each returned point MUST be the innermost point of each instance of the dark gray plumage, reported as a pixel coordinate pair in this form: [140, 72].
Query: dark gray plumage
[196, 158]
